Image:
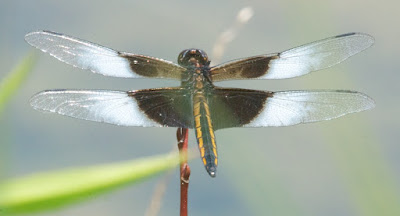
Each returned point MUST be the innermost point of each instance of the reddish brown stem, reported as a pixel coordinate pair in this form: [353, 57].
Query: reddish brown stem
[182, 136]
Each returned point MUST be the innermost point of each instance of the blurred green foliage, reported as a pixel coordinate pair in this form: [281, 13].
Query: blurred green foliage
[8, 86]
[11, 83]
[50, 190]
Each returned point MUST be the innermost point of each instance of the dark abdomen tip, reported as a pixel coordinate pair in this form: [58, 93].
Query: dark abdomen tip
[212, 171]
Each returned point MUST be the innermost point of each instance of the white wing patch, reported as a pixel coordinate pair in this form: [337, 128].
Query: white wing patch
[295, 107]
[82, 54]
[317, 55]
[111, 107]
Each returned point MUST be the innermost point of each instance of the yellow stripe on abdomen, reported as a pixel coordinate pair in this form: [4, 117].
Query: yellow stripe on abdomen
[205, 133]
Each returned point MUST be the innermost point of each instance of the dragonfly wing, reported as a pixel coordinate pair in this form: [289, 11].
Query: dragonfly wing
[251, 108]
[166, 107]
[295, 62]
[102, 60]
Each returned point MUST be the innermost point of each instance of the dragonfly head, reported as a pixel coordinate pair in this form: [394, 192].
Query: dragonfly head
[193, 57]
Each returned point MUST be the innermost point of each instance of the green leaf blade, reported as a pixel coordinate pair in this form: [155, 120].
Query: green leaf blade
[56, 189]
[11, 83]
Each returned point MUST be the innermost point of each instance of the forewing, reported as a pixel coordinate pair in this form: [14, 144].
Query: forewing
[249, 108]
[295, 62]
[144, 108]
[102, 60]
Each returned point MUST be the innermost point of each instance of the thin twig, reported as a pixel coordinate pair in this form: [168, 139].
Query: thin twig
[228, 35]
[182, 136]
[159, 191]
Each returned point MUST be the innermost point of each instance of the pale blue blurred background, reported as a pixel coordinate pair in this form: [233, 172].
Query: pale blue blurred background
[347, 166]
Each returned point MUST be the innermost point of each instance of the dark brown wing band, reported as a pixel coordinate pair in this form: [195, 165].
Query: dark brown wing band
[151, 67]
[169, 107]
[232, 107]
[248, 68]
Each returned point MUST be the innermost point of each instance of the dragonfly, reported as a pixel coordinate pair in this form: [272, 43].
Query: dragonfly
[197, 103]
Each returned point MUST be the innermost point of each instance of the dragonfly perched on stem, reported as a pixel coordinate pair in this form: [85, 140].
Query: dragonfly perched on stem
[197, 103]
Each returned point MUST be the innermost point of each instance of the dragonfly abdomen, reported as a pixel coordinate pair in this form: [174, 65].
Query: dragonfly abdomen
[205, 134]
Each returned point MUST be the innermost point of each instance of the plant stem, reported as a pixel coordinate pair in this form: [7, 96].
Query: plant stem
[182, 136]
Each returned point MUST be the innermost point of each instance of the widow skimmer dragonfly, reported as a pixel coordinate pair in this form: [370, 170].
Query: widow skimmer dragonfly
[199, 104]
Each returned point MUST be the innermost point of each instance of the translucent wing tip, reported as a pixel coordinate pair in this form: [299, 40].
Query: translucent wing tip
[364, 40]
[368, 102]
[363, 101]
[41, 101]
[360, 100]
[32, 37]
[36, 99]
[41, 32]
